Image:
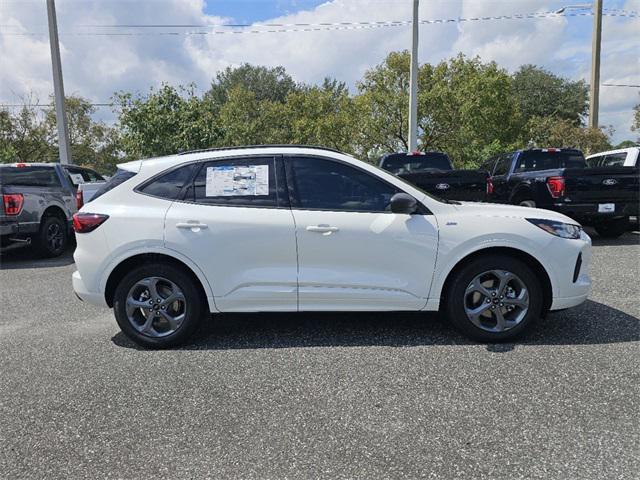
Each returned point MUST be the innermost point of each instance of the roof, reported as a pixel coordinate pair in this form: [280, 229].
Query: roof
[218, 149]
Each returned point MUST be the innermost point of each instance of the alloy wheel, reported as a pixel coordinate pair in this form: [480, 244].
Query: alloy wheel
[156, 306]
[496, 301]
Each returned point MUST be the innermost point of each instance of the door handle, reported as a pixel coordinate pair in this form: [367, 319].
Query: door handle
[192, 225]
[323, 229]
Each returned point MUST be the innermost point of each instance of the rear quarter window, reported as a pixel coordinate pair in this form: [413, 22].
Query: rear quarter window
[118, 178]
[170, 184]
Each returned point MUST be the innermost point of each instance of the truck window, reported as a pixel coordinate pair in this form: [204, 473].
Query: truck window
[404, 163]
[534, 160]
[26, 176]
[503, 165]
[610, 160]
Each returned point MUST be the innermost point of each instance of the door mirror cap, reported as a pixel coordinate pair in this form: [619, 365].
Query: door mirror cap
[403, 203]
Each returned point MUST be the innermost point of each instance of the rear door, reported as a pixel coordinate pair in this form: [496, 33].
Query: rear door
[234, 222]
[353, 253]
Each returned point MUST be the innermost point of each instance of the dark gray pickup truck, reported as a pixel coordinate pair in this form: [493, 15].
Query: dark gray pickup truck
[38, 202]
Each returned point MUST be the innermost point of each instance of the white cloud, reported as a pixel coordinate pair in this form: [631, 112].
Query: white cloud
[97, 66]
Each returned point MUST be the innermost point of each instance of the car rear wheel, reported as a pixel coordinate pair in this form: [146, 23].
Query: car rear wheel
[158, 306]
[494, 298]
[612, 228]
[53, 237]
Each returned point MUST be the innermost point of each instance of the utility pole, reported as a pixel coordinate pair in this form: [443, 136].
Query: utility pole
[594, 94]
[58, 87]
[413, 84]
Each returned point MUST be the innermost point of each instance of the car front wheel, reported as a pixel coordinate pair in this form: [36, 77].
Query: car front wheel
[158, 306]
[494, 298]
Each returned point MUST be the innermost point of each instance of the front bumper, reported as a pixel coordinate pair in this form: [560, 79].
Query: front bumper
[84, 294]
[573, 284]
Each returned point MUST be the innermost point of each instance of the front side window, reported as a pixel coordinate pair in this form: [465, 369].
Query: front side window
[240, 182]
[321, 184]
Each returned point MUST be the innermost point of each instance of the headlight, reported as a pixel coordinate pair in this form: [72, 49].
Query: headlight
[559, 229]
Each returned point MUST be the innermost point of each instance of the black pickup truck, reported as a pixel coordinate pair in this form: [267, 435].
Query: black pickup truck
[559, 179]
[434, 173]
[38, 201]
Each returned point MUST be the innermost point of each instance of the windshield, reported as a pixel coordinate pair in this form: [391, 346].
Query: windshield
[403, 163]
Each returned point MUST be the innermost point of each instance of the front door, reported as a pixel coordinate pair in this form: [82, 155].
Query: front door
[353, 253]
[236, 225]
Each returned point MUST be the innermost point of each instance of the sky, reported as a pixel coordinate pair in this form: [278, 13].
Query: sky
[103, 53]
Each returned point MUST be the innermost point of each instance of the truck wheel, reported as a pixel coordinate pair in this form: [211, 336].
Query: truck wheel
[158, 306]
[527, 203]
[493, 298]
[612, 228]
[53, 237]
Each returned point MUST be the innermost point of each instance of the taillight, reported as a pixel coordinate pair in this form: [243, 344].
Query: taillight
[88, 222]
[489, 185]
[79, 199]
[555, 186]
[12, 203]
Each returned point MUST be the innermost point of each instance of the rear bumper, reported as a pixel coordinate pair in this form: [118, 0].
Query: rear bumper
[587, 213]
[84, 294]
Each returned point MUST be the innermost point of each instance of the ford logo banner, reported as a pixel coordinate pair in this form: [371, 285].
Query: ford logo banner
[610, 181]
[442, 186]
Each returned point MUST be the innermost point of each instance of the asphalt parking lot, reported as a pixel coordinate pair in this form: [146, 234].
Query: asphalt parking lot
[319, 396]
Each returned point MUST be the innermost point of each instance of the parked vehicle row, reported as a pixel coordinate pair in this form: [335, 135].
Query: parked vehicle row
[173, 239]
[38, 201]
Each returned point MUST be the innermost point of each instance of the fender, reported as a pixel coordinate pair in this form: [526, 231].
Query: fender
[159, 249]
[447, 260]
[523, 187]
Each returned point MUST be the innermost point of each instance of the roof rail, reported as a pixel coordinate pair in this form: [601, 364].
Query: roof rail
[216, 149]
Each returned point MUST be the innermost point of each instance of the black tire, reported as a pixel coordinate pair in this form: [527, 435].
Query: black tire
[612, 228]
[195, 305]
[455, 297]
[52, 237]
[527, 203]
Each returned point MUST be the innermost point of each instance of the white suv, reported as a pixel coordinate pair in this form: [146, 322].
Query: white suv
[283, 228]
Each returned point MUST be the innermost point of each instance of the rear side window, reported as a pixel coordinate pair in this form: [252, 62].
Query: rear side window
[170, 184]
[120, 176]
[29, 176]
[82, 175]
[238, 182]
[321, 184]
[610, 160]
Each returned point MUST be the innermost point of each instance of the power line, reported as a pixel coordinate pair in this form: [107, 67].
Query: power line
[310, 27]
[619, 85]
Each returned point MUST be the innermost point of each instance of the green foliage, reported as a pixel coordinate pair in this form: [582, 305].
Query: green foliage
[636, 119]
[467, 108]
[626, 144]
[540, 93]
[562, 133]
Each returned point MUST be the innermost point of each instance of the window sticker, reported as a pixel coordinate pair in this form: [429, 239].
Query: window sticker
[229, 181]
[76, 178]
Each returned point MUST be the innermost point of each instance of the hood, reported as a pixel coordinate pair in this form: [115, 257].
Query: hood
[513, 211]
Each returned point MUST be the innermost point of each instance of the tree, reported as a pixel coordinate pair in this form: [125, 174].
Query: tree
[321, 115]
[465, 106]
[272, 84]
[542, 94]
[382, 105]
[91, 142]
[165, 121]
[562, 133]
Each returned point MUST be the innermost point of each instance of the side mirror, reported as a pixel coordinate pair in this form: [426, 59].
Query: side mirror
[403, 203]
